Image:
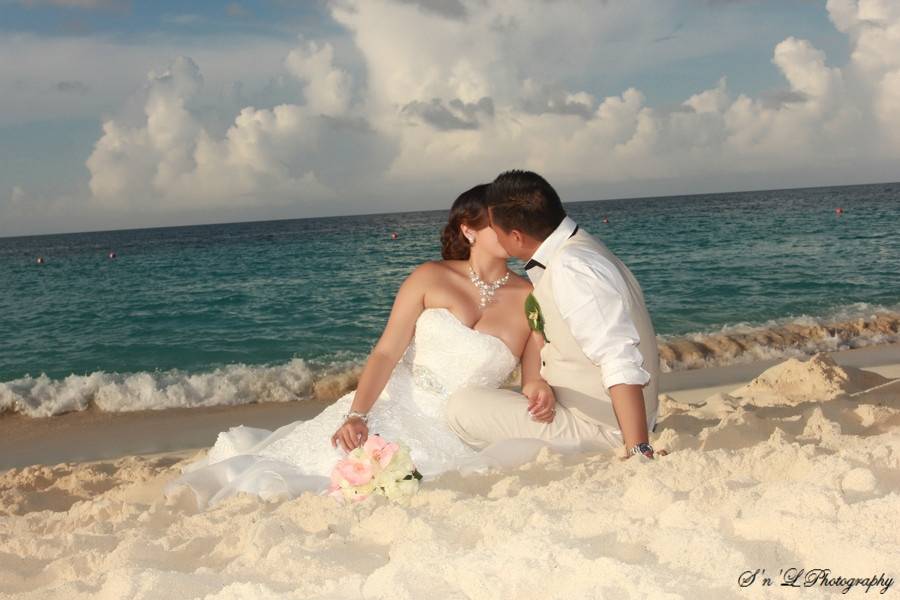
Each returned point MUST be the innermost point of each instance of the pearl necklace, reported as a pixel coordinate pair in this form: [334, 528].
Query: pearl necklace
[486, 290]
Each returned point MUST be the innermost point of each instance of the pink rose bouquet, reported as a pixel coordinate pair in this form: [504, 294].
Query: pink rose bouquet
[376, 467]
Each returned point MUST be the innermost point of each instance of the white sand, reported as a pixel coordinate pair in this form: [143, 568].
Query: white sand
[788, 471]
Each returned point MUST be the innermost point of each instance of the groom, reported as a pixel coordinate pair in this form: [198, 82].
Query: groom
[600, 356]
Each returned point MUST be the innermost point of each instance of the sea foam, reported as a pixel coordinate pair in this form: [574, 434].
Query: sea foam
[233, 384]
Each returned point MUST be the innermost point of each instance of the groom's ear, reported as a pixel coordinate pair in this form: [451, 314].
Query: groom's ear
[518, 237]
[494, 224]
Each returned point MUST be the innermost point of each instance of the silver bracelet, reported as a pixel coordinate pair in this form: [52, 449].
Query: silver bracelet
[359, 415]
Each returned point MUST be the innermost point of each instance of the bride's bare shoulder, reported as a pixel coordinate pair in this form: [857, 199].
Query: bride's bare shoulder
[435, 269]
[442, 267]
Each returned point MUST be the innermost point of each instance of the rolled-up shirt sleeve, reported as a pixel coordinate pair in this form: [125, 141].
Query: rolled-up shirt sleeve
[591, 299]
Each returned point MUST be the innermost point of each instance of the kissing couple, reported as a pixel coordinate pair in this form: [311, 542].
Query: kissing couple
[458, 329]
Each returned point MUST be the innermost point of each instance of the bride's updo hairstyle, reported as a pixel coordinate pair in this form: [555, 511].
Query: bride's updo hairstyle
[469, 209]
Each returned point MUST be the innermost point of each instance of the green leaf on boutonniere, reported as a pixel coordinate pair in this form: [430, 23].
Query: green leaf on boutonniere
[534, 315]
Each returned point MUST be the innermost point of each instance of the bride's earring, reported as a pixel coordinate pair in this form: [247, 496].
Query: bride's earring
[471, 239]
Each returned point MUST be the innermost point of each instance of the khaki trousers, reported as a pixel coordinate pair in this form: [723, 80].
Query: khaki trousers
[481, 416]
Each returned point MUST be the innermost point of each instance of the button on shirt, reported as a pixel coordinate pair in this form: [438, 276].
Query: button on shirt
[589, 292]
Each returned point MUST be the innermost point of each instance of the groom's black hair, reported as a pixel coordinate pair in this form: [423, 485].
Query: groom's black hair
[524, 200]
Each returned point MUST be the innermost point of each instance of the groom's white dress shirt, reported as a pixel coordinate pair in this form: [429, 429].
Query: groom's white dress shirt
[589, 292]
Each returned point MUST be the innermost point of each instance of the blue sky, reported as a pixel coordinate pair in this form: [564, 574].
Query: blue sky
[69, 66]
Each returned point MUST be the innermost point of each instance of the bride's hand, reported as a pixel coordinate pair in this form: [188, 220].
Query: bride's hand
[541, 401]
[353, 433]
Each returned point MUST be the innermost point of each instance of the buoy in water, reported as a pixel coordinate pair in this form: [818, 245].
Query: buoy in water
[112, 254]
[606, 219]
[394, 236]
[40, 260]
[839, 211]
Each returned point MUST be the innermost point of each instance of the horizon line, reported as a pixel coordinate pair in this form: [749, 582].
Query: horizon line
[401, 212]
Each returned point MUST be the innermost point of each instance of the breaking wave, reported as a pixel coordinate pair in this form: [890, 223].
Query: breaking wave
[851, 327]
[230, 385]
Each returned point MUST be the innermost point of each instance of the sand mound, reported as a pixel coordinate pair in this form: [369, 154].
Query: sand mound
[57, 488]
[795, 381]
[806, 480]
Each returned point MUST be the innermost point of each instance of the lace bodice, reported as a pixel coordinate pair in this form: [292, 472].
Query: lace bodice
[445, 355]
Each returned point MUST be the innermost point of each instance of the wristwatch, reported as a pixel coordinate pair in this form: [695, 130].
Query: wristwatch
[644, 448]
[359, 415]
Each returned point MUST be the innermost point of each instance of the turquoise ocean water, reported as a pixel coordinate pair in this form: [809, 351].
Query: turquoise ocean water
[245, 312]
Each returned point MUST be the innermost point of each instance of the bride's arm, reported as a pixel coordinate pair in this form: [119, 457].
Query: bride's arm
[408, 305]
[531, 358]
[541, 401]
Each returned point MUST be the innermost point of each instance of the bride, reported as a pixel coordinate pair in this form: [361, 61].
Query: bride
[455, 322]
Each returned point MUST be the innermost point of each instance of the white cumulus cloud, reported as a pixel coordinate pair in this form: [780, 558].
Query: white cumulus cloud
[501, 52]
[277, 155]
[438, 96]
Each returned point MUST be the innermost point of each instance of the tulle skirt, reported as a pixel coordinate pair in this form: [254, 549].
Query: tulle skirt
[272, 478]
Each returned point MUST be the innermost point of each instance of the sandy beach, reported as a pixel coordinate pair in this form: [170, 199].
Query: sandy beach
[774, 466]
[220, 219]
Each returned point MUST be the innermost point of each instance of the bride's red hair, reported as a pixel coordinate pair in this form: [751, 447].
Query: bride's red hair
[469, 209]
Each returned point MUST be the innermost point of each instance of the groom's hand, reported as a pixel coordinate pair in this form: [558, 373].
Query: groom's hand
[541, 401]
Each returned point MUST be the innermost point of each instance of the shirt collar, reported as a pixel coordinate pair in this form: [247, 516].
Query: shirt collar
[550, 245]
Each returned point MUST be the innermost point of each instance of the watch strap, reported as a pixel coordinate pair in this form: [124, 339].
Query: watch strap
[643, 448]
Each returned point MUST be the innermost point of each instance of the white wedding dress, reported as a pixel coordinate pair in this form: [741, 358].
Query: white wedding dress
[444, 355]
